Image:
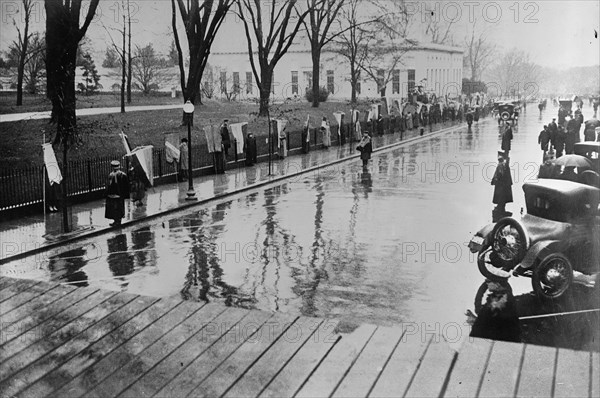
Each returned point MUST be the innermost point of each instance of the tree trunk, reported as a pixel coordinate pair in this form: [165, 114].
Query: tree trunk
[65, 191]
[316, 59]
[353, 81]
[21, 68]
[123, 66]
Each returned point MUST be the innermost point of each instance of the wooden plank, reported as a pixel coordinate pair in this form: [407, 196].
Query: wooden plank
[36, 304]
[502, 372]
[537, 373]
[147, 359]
[235, 365]
[46, 330]
[117, 359]
[204, 364]
[595, 375]
[21, 285]
[470, 367]
[63, 374]
[331, 371]
[402, 366]
[572, 374]
[55, 339]
[258, 376]
[34, 321]
[370, 363]
[179, 359]
[434, 371]
[72, 345]
[23, 297]
[301, 366]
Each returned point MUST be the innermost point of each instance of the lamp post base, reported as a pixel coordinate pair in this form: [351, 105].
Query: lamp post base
[191, 195]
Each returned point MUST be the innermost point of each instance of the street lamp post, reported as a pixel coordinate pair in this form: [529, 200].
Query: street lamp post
[188, 109]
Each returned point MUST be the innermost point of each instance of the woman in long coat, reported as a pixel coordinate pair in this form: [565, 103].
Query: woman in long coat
[502, 182]
[366, 148]
[117, 190]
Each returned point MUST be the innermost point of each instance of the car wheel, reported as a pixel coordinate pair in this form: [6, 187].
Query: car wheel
[509, 243]
[489, 267]
[552, 277]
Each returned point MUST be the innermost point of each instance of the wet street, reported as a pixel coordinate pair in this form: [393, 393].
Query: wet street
[383, 245]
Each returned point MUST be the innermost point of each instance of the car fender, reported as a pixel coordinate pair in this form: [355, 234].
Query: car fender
[485, 234]
[541, 250]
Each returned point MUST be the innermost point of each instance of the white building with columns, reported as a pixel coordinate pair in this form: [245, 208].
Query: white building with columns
[436, 67]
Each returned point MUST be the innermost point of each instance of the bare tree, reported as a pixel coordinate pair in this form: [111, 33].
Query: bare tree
[478, 51]
[147, 68]
[21, 44]
[63, 35]
[274, 30]
[514, 72]
[357, 33]
[387, 44]
[321, 15]
[35, 65]
[201, 25]
[438, 27]
[122, 54]
[129, 72]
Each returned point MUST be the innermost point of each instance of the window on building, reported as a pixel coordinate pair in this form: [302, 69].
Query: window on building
[411, 79]
[236, 82]
[273, 83]
[308, 80]
[358, 87]
[294, 82]
[223, 81]
[396, 81]
[248, 82]
[330, 82]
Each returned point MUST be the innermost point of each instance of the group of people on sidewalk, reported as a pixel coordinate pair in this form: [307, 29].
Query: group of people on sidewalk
[121, 186]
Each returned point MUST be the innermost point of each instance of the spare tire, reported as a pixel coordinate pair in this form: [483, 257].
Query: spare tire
[509, 242]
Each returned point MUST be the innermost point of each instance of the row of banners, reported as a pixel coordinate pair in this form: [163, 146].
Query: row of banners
[140, 158]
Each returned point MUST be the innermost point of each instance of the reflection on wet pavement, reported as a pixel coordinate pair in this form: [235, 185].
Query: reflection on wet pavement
[385, 245]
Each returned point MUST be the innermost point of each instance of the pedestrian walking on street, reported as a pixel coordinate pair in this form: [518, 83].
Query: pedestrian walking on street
[502, 182]
[507, 137]
[365, 146]
[544, 140]
[137, 188]
[117, 190]
[183, 159]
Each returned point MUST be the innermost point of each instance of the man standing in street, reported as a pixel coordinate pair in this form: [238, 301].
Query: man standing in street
[502, 182]
[544, 140]
[507, 137]
[117, 190]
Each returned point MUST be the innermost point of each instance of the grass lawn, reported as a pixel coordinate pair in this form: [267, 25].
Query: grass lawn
[20, 142]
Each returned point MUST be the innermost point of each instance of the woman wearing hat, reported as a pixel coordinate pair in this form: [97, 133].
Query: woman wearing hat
[117, 190]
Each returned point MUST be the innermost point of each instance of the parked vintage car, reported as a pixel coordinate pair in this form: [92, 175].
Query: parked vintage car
[556, 243]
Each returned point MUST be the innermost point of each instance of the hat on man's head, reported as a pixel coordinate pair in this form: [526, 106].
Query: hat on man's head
[115, 163]
[553, 119]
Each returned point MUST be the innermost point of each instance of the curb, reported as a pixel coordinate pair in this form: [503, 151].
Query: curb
[189, 205]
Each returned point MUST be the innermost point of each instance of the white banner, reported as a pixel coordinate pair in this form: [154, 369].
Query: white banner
[238, 134]
[54, 174]
[338, 119]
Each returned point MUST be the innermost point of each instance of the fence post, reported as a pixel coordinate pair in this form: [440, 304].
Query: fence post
[89, 175]
[160, 163]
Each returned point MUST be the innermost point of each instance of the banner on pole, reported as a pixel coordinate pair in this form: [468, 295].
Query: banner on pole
[126, 143]
[54, 174]
[141, 161]
[172, 152]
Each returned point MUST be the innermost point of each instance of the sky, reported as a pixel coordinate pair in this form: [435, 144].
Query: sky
[555, 33]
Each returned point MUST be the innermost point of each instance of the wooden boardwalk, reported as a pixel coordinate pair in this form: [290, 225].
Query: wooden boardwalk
[62, 341]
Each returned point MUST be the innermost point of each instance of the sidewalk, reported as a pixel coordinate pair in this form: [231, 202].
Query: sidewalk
[33, 234]
[15, 117]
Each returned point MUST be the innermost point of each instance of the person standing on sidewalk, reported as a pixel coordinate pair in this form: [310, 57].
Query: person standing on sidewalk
[225, 139]
[183, 159]
[117, 190]
[137, 187]
[366, 148]
[544, 140]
